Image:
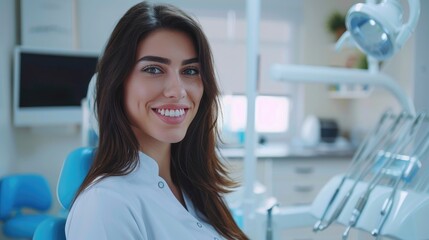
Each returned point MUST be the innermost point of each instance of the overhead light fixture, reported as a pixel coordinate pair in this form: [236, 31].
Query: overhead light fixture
[378, 28]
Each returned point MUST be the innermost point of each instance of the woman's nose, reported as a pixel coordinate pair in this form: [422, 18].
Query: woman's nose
[174, 87]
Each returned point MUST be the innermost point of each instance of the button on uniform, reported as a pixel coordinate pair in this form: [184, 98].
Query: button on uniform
[199, 225]
[161, 184]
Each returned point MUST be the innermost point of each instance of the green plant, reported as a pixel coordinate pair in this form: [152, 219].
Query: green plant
[362, 62]
[336, 21]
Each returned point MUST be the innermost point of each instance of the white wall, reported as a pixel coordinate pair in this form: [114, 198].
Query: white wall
[421, 58]
[365, 112]
[316, 48]
[7, 41]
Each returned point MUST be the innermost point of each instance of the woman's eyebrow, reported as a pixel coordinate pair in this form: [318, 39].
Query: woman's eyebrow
[189, 61]
[166, 60]
[155, 59]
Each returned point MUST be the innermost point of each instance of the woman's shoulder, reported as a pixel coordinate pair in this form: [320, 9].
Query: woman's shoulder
[109, 207]
[128, 189]
[107, 190]
[118, 182]
[123, 188]
[113, 185]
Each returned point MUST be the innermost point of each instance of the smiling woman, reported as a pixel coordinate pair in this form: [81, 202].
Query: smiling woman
[156, 174]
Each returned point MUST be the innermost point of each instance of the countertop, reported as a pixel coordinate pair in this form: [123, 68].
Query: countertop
[290, 151]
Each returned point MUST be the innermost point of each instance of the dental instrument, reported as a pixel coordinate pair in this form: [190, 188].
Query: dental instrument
[357, 157]
[407, 174]
[269, 232]
[371, 154]
[399, 145]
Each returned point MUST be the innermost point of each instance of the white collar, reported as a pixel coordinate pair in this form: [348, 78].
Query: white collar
[148, 166]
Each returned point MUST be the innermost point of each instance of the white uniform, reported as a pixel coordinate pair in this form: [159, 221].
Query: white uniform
[137, 206]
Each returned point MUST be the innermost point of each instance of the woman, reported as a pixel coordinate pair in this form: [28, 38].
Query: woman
[156, 174]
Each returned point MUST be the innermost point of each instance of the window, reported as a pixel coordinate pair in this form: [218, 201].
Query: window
[278, 108]
[272, 113]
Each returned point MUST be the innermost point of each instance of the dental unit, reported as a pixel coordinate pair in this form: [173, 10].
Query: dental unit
[367, 161]
[408, 170]
[384, 191]
[361, 154]
[398, 146]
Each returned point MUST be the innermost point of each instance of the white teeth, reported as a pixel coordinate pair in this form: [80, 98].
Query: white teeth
[171, 112]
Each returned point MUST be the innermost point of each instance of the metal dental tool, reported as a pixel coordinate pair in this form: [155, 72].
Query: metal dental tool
[408, 171]
[420, 183]
[370, 153]
[379, 140]
[269, 233]
[357, 157]
[398, 145]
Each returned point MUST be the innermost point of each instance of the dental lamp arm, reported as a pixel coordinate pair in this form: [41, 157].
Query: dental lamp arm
[408, 28]
[332, 75]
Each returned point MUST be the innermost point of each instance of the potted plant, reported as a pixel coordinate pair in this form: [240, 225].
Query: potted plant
[336, 24]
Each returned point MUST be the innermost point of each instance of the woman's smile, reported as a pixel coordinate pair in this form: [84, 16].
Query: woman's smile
[171, 114]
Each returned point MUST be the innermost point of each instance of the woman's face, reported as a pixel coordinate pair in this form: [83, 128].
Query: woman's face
[164, 89]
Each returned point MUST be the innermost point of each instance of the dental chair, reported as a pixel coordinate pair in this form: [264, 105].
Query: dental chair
[24, 201]
[73, 172]
[74, 169]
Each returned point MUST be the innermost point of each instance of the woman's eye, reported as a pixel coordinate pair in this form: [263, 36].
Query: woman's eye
[152, 70]
[191, 71]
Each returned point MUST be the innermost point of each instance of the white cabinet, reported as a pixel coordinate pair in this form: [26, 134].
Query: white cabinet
[297, 181]
[48, 23]
[293, 181]
[96, 20]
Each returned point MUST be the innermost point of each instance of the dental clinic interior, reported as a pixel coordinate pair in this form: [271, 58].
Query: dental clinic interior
[325, 112]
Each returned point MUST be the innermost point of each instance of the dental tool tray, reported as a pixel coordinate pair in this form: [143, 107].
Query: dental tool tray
[410, 210]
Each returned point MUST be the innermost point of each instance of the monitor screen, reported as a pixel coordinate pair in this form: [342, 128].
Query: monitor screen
[49, 85]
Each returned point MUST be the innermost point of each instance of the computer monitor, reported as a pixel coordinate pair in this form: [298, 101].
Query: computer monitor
[49, 85]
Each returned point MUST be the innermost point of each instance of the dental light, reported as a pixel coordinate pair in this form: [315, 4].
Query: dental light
[378, 29]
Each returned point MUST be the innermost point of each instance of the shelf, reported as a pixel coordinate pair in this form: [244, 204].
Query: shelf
[355, 94]
[349, 91]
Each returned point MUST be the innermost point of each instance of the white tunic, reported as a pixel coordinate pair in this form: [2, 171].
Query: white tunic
[137, 206]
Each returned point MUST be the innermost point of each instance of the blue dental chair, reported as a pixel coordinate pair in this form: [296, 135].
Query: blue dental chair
[24, 201]
[73, 172]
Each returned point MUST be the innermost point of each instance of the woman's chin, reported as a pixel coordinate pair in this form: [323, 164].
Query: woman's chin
[173, 138]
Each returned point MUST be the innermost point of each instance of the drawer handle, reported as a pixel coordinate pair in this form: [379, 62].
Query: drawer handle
[303, 189]
[304, 170]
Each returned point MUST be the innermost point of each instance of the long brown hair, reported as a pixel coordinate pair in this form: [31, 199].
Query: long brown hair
[195, 167]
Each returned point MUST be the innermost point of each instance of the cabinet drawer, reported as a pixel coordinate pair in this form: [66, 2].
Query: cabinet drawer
[309, 168]
[292, 192]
